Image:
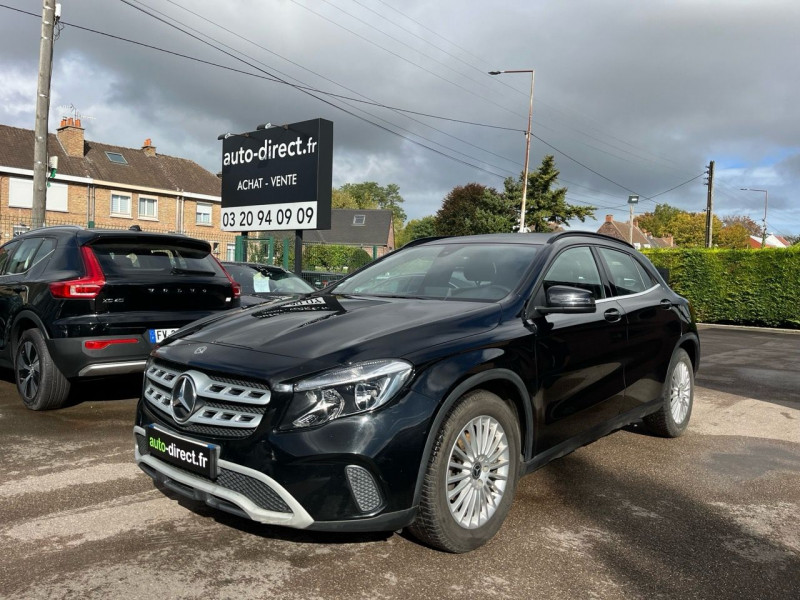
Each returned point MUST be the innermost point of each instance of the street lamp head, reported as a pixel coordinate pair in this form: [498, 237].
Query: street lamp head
[495, 72]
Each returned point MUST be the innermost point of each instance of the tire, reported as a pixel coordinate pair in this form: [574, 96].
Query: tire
[39, 382]
[677, 398]
[447, 517]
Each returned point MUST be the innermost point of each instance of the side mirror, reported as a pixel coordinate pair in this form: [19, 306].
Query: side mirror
[567, 299]
[664, 274]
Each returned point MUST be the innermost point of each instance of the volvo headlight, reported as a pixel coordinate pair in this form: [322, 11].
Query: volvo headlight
[345, 391]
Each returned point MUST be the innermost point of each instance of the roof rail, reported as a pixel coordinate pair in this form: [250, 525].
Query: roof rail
[594, 234]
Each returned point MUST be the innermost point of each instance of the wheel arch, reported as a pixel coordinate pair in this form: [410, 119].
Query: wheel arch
[691, 344]
[24, 320]
[505, 384]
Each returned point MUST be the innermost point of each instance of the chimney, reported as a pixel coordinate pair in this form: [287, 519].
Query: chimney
[669, 240]
[70, 135]
[148, 148]
[609, 218]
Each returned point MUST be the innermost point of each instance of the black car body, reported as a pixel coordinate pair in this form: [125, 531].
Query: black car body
[80, 302]
[266, 283]
[375, 407]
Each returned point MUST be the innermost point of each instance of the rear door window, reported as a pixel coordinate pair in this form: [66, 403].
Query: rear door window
[622, 269]
[22, 259]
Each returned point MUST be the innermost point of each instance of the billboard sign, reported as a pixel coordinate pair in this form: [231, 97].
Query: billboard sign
[278, 178]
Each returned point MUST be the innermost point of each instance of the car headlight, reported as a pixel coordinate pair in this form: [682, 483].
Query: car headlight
[345, 391]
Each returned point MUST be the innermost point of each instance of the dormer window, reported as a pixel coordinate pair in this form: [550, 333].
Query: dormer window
[116, 157]
[359, 219]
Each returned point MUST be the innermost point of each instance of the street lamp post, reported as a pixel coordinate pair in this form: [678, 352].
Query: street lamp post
[764, 232]
[527, 145]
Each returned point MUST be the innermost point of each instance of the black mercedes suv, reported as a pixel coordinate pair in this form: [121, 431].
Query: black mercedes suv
[80, 302]
[415, 392]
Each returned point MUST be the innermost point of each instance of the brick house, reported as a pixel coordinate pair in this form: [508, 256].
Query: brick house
[104, 186]
[641, 239]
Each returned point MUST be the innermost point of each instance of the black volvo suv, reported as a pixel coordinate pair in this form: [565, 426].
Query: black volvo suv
[417, 391]
[80, 302]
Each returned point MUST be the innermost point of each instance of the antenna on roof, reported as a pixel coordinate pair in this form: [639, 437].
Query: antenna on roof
[76, 115]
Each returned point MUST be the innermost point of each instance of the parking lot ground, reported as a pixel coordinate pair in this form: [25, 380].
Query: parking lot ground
[713, 514]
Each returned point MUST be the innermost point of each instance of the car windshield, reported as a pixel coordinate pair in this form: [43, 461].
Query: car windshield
[261, 280]
[485, 272]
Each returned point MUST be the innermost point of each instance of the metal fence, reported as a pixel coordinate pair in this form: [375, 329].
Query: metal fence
[318, 259]
[221, 243]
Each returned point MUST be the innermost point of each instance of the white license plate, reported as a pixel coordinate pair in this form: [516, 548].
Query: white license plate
[158, 335]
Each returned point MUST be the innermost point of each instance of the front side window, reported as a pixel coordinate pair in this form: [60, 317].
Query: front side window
[622, 269]
[203, 214]
[148, 208]
[575, 267]
[120, 205]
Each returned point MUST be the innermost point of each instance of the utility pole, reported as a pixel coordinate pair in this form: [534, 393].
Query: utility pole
[39, 202]
[710, 203]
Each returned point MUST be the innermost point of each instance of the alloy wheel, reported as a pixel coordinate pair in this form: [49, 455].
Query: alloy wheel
[28, 370]
[680, 393]
[477, 473]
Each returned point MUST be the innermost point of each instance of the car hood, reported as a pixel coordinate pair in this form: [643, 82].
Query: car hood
[343, 328]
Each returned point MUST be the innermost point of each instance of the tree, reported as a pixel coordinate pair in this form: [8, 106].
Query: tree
[734, 235]
[689, 229]
[659, 223]
[751, 226]
[545, 206]
[474, 208]
[342, 199]
[417, 228]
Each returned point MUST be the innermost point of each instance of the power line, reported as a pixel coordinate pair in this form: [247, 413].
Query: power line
[312, 92]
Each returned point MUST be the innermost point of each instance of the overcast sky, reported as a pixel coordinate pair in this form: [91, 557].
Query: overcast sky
[630, 97]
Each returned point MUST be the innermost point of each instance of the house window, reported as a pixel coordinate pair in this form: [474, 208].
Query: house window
[148, 208]
[20, 229]
[359, 219]
[203, 214]
[20, 194]
[230, 252]
[117, 158]
[120, 205]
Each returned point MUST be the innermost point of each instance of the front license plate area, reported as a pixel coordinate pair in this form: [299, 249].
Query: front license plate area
[158, 335]
[187, 454]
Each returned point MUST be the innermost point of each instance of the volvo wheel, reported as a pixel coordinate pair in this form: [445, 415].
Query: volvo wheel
[39, 382]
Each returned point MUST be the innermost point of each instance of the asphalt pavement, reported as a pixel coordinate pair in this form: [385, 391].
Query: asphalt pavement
[713, 514]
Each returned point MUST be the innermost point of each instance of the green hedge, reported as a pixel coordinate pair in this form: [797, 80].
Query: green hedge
[334, 258]
[742, 287]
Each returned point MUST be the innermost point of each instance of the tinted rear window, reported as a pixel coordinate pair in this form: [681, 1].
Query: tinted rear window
[127, 259]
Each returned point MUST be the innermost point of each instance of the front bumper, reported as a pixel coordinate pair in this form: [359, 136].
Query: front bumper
[238, 490]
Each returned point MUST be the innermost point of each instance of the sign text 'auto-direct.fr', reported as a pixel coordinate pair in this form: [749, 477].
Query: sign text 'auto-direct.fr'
[278, 178]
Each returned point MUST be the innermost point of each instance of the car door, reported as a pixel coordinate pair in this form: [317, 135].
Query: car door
[16, 260]
[654, 326]
[579, 357]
